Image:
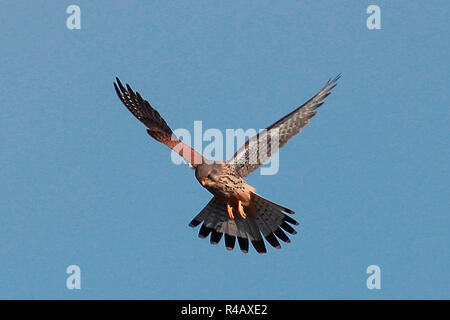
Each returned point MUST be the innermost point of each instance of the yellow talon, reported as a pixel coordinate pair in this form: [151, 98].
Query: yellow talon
[230, 212]
[241, 210]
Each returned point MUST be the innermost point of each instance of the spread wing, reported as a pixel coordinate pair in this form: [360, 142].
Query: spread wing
[259, 148]
[157, 127]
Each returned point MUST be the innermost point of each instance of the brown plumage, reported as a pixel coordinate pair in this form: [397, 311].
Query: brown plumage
[236, 210]
[157, 127]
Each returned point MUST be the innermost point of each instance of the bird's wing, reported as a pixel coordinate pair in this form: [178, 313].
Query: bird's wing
[259, 148]
[157, 127]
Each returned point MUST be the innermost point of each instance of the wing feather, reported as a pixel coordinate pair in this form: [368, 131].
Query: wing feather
[157, 126]
[259, 148]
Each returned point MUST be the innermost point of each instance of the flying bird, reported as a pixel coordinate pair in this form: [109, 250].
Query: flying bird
[235, 210]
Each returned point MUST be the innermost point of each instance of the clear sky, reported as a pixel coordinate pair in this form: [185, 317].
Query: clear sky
[82, 183]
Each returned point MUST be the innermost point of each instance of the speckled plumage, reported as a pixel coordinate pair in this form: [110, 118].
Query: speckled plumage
[229, 186]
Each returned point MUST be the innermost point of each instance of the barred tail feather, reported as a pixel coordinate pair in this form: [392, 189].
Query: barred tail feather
[270, 222]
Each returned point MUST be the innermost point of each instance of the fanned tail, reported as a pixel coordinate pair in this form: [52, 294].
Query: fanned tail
[269, 222]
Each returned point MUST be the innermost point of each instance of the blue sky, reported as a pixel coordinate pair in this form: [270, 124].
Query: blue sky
[82, 183]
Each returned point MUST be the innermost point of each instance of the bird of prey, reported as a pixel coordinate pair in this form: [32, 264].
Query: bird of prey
[235, 210]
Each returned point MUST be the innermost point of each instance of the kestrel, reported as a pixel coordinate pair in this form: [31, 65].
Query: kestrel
[235, 210]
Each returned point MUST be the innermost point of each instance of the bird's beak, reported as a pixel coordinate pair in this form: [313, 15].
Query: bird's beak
[203, 181]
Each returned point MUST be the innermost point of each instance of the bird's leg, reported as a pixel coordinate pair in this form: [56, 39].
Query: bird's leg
[241, 210]
[230, 211]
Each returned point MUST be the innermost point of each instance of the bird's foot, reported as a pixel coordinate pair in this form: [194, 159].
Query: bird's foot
[230, 212]
[241, 210]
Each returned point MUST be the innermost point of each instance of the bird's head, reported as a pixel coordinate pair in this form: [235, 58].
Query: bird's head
[208, 173]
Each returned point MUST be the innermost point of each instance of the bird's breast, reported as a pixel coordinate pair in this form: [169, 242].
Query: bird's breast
[231, 188]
